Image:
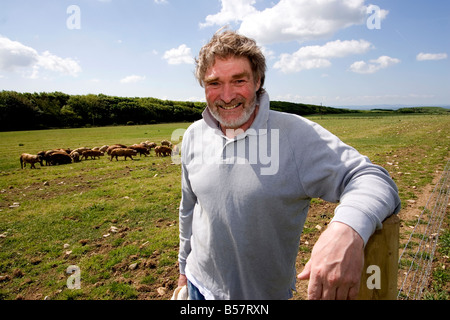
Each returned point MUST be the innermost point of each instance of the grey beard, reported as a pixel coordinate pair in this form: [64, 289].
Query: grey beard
[237, 123]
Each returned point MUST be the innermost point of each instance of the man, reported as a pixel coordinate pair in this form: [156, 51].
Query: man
[248, 175]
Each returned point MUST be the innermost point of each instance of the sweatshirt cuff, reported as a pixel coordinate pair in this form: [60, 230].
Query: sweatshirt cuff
[357, 220]
[182, 267]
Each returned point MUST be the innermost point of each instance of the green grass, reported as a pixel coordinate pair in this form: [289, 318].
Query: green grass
[410, 147]
[66, 212]
[76, 205]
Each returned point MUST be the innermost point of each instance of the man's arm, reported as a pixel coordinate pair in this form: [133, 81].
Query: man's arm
[335, 267]
[335, 172]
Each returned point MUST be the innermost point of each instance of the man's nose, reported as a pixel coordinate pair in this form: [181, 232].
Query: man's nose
[228, 94]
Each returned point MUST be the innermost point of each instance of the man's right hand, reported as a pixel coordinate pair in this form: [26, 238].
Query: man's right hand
[182, 280]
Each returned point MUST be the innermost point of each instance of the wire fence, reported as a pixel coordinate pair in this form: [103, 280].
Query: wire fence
[418, 253]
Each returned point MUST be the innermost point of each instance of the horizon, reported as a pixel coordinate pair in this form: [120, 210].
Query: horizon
[350, 107]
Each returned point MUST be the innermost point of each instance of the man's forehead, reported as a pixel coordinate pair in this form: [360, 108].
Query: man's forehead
[235, 67]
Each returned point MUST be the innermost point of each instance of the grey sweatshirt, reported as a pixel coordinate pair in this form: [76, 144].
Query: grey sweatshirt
[245, 200]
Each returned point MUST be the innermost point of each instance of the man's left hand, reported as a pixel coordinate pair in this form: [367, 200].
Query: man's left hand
[336, 263]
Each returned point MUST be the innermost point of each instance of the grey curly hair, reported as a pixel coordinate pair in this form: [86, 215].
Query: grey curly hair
[229, 43]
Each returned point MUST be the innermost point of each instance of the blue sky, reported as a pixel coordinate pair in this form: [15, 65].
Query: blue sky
[334, 52]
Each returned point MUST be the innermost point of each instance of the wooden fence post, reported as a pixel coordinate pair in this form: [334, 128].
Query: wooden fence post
[379, 276]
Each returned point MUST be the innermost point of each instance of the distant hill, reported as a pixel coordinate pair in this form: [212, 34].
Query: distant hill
[389, 107]
[434, 110]
[310, 109]
[306, 109]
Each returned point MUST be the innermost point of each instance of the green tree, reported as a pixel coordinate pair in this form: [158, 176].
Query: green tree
[17, 112]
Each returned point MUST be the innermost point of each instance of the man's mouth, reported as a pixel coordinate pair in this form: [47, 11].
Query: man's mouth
[231, 106]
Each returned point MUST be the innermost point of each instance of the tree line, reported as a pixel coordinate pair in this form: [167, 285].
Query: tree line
[306, 109]
[31, 111]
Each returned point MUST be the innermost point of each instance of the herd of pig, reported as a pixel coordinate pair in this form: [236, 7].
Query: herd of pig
[65, 156]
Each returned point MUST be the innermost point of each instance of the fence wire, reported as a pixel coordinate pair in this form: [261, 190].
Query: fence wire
[418, 253]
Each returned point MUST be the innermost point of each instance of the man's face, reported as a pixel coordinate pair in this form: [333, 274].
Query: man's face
[230, 90]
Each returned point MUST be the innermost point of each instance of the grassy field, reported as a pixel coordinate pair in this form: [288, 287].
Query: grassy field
[117, 221]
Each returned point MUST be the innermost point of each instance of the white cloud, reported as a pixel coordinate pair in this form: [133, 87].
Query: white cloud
[300, 98]
[232, 11]
[179, 55]
[16, 56]
[195, 99]
[373, 65]
[161, 1]
[291, 20]
[313, 57]
[431, 56]
[269, 54]
[132, 79]
[54, 63]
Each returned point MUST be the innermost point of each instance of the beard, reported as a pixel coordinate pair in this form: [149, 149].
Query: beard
[234, 123]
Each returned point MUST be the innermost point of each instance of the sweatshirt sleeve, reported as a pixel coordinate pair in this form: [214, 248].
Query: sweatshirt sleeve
[187, 204]
[369, 197]
[336, 172]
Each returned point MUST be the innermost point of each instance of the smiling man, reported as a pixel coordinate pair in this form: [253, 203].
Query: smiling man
[240, 224]
[230, 92]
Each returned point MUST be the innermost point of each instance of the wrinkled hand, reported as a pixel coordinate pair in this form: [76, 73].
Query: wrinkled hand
[336, 263]
[182, 280]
